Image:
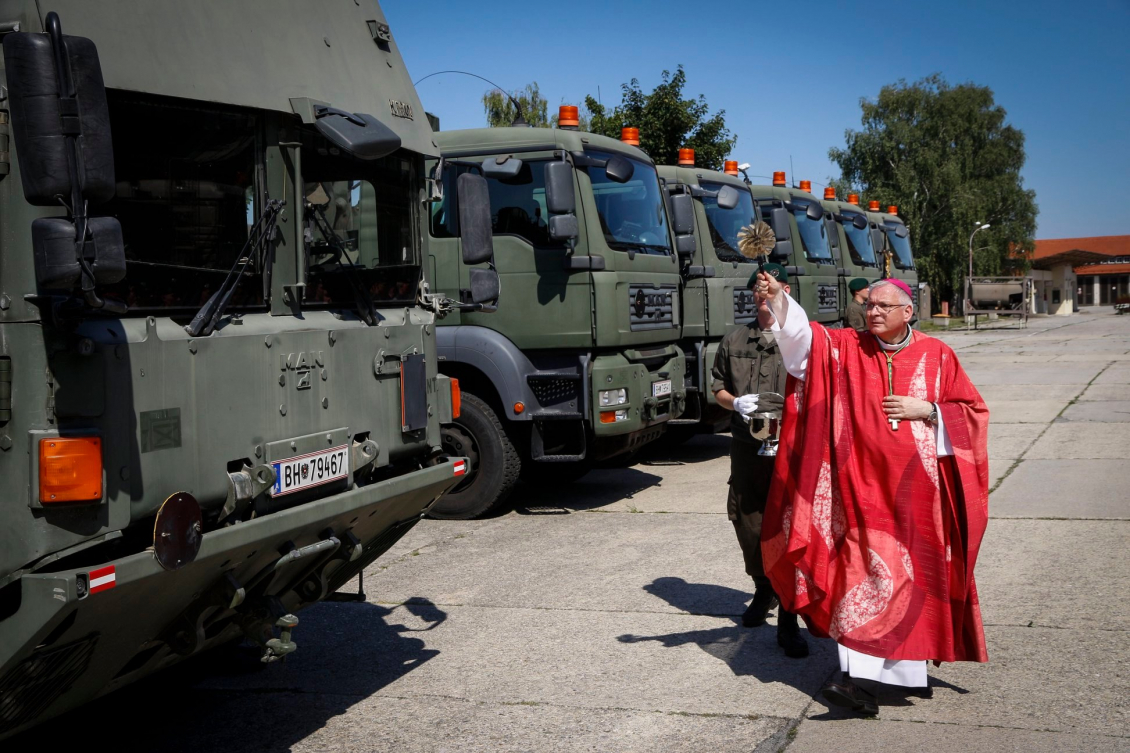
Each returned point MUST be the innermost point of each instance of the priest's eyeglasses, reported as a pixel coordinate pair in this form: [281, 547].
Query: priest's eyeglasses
[886, 308]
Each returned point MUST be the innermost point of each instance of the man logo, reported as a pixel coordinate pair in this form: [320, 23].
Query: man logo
[640, 303]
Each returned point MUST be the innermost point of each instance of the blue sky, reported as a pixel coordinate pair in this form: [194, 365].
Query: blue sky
[790, 75]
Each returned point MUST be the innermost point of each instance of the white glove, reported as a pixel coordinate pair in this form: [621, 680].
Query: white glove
[746, 405]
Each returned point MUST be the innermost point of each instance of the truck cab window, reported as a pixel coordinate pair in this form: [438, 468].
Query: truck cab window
[725, 223]
[632, 214]
[813, 236]
[859, 243]
[359, 220]
[517, 205]
[185, 197]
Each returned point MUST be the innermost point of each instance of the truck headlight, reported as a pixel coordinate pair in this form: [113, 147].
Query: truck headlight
[613, 397]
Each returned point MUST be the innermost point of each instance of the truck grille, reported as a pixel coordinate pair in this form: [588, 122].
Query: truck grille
[36, 682]
[651, 307]
[745, 310]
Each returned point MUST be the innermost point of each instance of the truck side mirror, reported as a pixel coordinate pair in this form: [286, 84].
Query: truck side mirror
[484, 286]
[355, 133]
[682, 221]
[618, 169]
[61, 125]
[47, 111]
[559, 197]
[859, 221]
[727, 197]
[474, 219]
[814, 212]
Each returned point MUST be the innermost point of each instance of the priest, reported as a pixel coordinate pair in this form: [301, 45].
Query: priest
[879, 497]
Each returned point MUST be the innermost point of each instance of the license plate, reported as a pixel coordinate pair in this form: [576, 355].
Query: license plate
[310, 470]
[659, 389]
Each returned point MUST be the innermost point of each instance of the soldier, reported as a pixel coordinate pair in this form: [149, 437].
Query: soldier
[856, 316]
[748, 364]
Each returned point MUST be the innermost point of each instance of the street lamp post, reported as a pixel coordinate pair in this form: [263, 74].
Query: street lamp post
[969, 280]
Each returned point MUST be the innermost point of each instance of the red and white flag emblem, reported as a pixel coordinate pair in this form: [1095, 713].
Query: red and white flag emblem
[102, 579]
[460, 467]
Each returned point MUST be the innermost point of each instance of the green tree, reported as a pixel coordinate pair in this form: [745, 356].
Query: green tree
[946, 157]
[500, 110]
[667, 122]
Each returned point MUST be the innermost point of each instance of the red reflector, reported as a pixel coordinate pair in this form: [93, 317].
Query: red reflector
[103, 579]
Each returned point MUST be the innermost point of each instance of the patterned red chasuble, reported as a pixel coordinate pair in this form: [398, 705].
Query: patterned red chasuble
[866, 534]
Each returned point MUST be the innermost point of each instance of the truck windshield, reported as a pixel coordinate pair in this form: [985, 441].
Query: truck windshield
[632, 214]
[185, 198]
[813, 236]
[724, 224]
[904, 259]
[859, 242]
[370, 215]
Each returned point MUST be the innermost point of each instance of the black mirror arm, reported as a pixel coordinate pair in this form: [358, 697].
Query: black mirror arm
[321, 111]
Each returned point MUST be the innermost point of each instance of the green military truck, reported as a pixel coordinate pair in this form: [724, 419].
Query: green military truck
[892, 239]
[218, 389]
[798, 220]
[850, 235]
[715, 296]
[580, 362]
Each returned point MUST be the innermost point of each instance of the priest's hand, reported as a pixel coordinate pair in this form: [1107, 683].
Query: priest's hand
[767, 287]
[906, 408]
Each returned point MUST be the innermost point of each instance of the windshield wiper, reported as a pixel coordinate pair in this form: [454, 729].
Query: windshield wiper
[206, 319]
[361, 298]
[636, 246]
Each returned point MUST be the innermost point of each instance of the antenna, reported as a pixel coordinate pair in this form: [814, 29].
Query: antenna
[518, 121]
[792, 173]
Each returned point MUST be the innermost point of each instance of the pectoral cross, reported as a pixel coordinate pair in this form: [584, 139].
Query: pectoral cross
[891, 387]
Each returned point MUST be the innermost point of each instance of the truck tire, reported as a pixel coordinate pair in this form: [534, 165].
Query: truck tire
[493, 463]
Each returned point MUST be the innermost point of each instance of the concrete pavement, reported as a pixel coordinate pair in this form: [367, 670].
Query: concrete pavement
[605, 616]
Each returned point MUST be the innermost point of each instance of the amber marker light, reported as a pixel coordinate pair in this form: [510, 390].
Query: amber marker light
[806, 185]
[456, 399]
[686, 157]
[730, 167]
[519, 408]
[568, 116]
[630, 136]
[829, 194]
[892, 209]
[608, 417]
[853, 198]
[779, 178]
[70, 470]
[872, 206]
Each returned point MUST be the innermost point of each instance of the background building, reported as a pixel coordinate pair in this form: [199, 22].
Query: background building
[1072, 272]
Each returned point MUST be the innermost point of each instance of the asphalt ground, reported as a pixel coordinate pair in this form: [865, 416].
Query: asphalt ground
[605, 616]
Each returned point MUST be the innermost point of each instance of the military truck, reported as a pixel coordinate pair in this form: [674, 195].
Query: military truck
[851, 239]
[715, 297]
[893, 239]
[218, 390]
[580, 362]
[798, 219]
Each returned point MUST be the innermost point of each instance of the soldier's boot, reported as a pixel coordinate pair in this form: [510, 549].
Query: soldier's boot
[789, 637]
[764, 599]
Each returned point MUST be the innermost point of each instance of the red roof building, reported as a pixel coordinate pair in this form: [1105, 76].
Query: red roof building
[1101, 265]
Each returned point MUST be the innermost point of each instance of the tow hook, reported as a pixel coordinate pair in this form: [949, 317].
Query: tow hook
[279, 647]
[650, 408]
[679, 403]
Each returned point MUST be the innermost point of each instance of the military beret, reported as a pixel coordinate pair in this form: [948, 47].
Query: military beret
[774, 270]
[857, 284]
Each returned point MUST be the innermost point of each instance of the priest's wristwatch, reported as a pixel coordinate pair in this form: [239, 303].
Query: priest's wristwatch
[932, 419]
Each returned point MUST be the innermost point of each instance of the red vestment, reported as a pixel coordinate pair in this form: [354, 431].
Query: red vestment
[866, 534]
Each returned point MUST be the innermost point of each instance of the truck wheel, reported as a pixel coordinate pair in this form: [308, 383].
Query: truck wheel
[493, 463]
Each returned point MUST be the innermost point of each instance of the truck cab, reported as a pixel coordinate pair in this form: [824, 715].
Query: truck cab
[715, 296]
[850, 230]
[580, 362]
[220, 390]
[803, 246]
[892, 238]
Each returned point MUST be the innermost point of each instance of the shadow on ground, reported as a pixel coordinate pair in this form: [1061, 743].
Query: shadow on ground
[227, 700]
[598, 488]
[751, 652]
